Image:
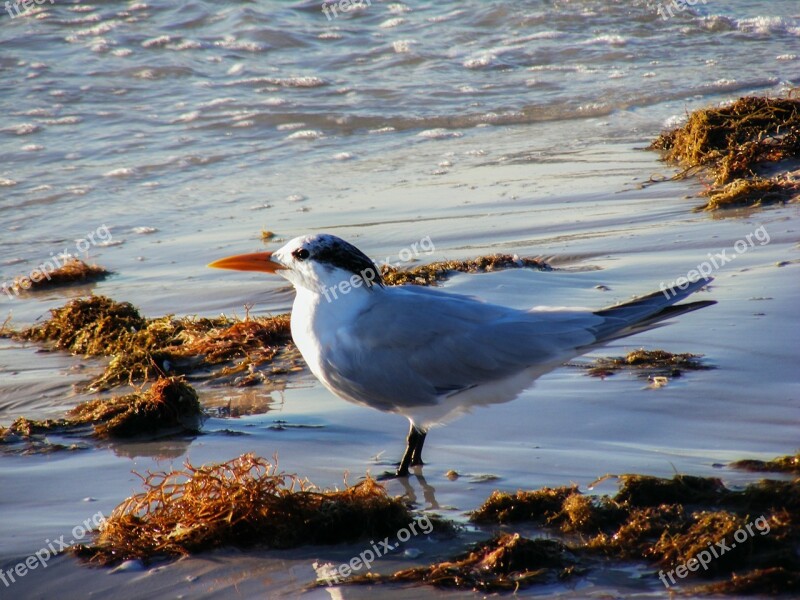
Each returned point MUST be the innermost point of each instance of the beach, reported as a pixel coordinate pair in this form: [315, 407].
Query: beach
[153, 138]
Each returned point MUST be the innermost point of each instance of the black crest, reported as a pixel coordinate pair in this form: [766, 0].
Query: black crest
[335, 252]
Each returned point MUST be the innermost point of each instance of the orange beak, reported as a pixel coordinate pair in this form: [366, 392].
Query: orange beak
[257, 261]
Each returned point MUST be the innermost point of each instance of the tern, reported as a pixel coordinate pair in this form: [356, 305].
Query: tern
[427, 354]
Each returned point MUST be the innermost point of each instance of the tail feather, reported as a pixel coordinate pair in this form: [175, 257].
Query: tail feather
[641, 314]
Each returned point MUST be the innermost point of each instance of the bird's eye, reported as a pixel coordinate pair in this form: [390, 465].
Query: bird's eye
[301, 254]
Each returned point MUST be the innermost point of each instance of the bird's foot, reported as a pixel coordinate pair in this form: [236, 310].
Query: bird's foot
[400, 473]
[389, 475]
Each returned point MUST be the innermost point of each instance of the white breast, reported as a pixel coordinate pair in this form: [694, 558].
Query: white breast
[319, 324]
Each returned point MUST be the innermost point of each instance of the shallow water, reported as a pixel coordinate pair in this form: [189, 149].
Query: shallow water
[487, 126]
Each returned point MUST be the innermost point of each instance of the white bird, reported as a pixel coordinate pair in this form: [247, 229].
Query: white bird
[424, 353]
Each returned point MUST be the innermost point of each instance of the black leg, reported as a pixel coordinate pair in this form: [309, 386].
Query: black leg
[413, 450]
[412, 457]
[416, 455]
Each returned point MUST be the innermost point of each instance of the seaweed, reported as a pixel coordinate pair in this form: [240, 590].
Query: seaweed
[170, 405]
[95, 326]
[74, 270]
[145, 349]
[434, 272]
[750, 192]
[732, 142]
[539, 505]
[668, 521]
[646, 490]
[781, 464]
[23, 442]
[648, 363]
[244, 502]
[507, 562]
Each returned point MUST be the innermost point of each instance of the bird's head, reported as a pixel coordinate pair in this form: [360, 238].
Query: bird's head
[316, 262]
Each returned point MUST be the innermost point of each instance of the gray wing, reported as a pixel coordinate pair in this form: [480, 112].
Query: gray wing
[416, 344]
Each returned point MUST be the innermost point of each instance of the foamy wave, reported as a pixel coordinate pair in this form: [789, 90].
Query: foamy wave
[36, 112]
[274, 101]
[23, 129]
[393, 22]
[439, 133]
[100, 29]
[674, 121]
[722, 84]
[121, 173]
[157, 42]
[611, 40]
[541, 35]
[187, 117]
[217, 102]
[70, 120]
[479, 62]
[306, 134]
[403, 46]
[229, 42]
[765, 25]
[307, 81]
[290, 126]
[186, 45]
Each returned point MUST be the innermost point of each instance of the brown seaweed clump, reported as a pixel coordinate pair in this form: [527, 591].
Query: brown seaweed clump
[538, 505]
[507, 562]
[732, 143]
[434, 272]
[15, 440]
[648, 362]
[145, 349]
[757, 191]
[671, 522]
[74, 270]
[241, 503]
[781, 464]
[169, 406]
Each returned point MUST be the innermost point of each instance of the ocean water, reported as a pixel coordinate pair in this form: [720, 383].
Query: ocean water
[154, 137]
[206, 121]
